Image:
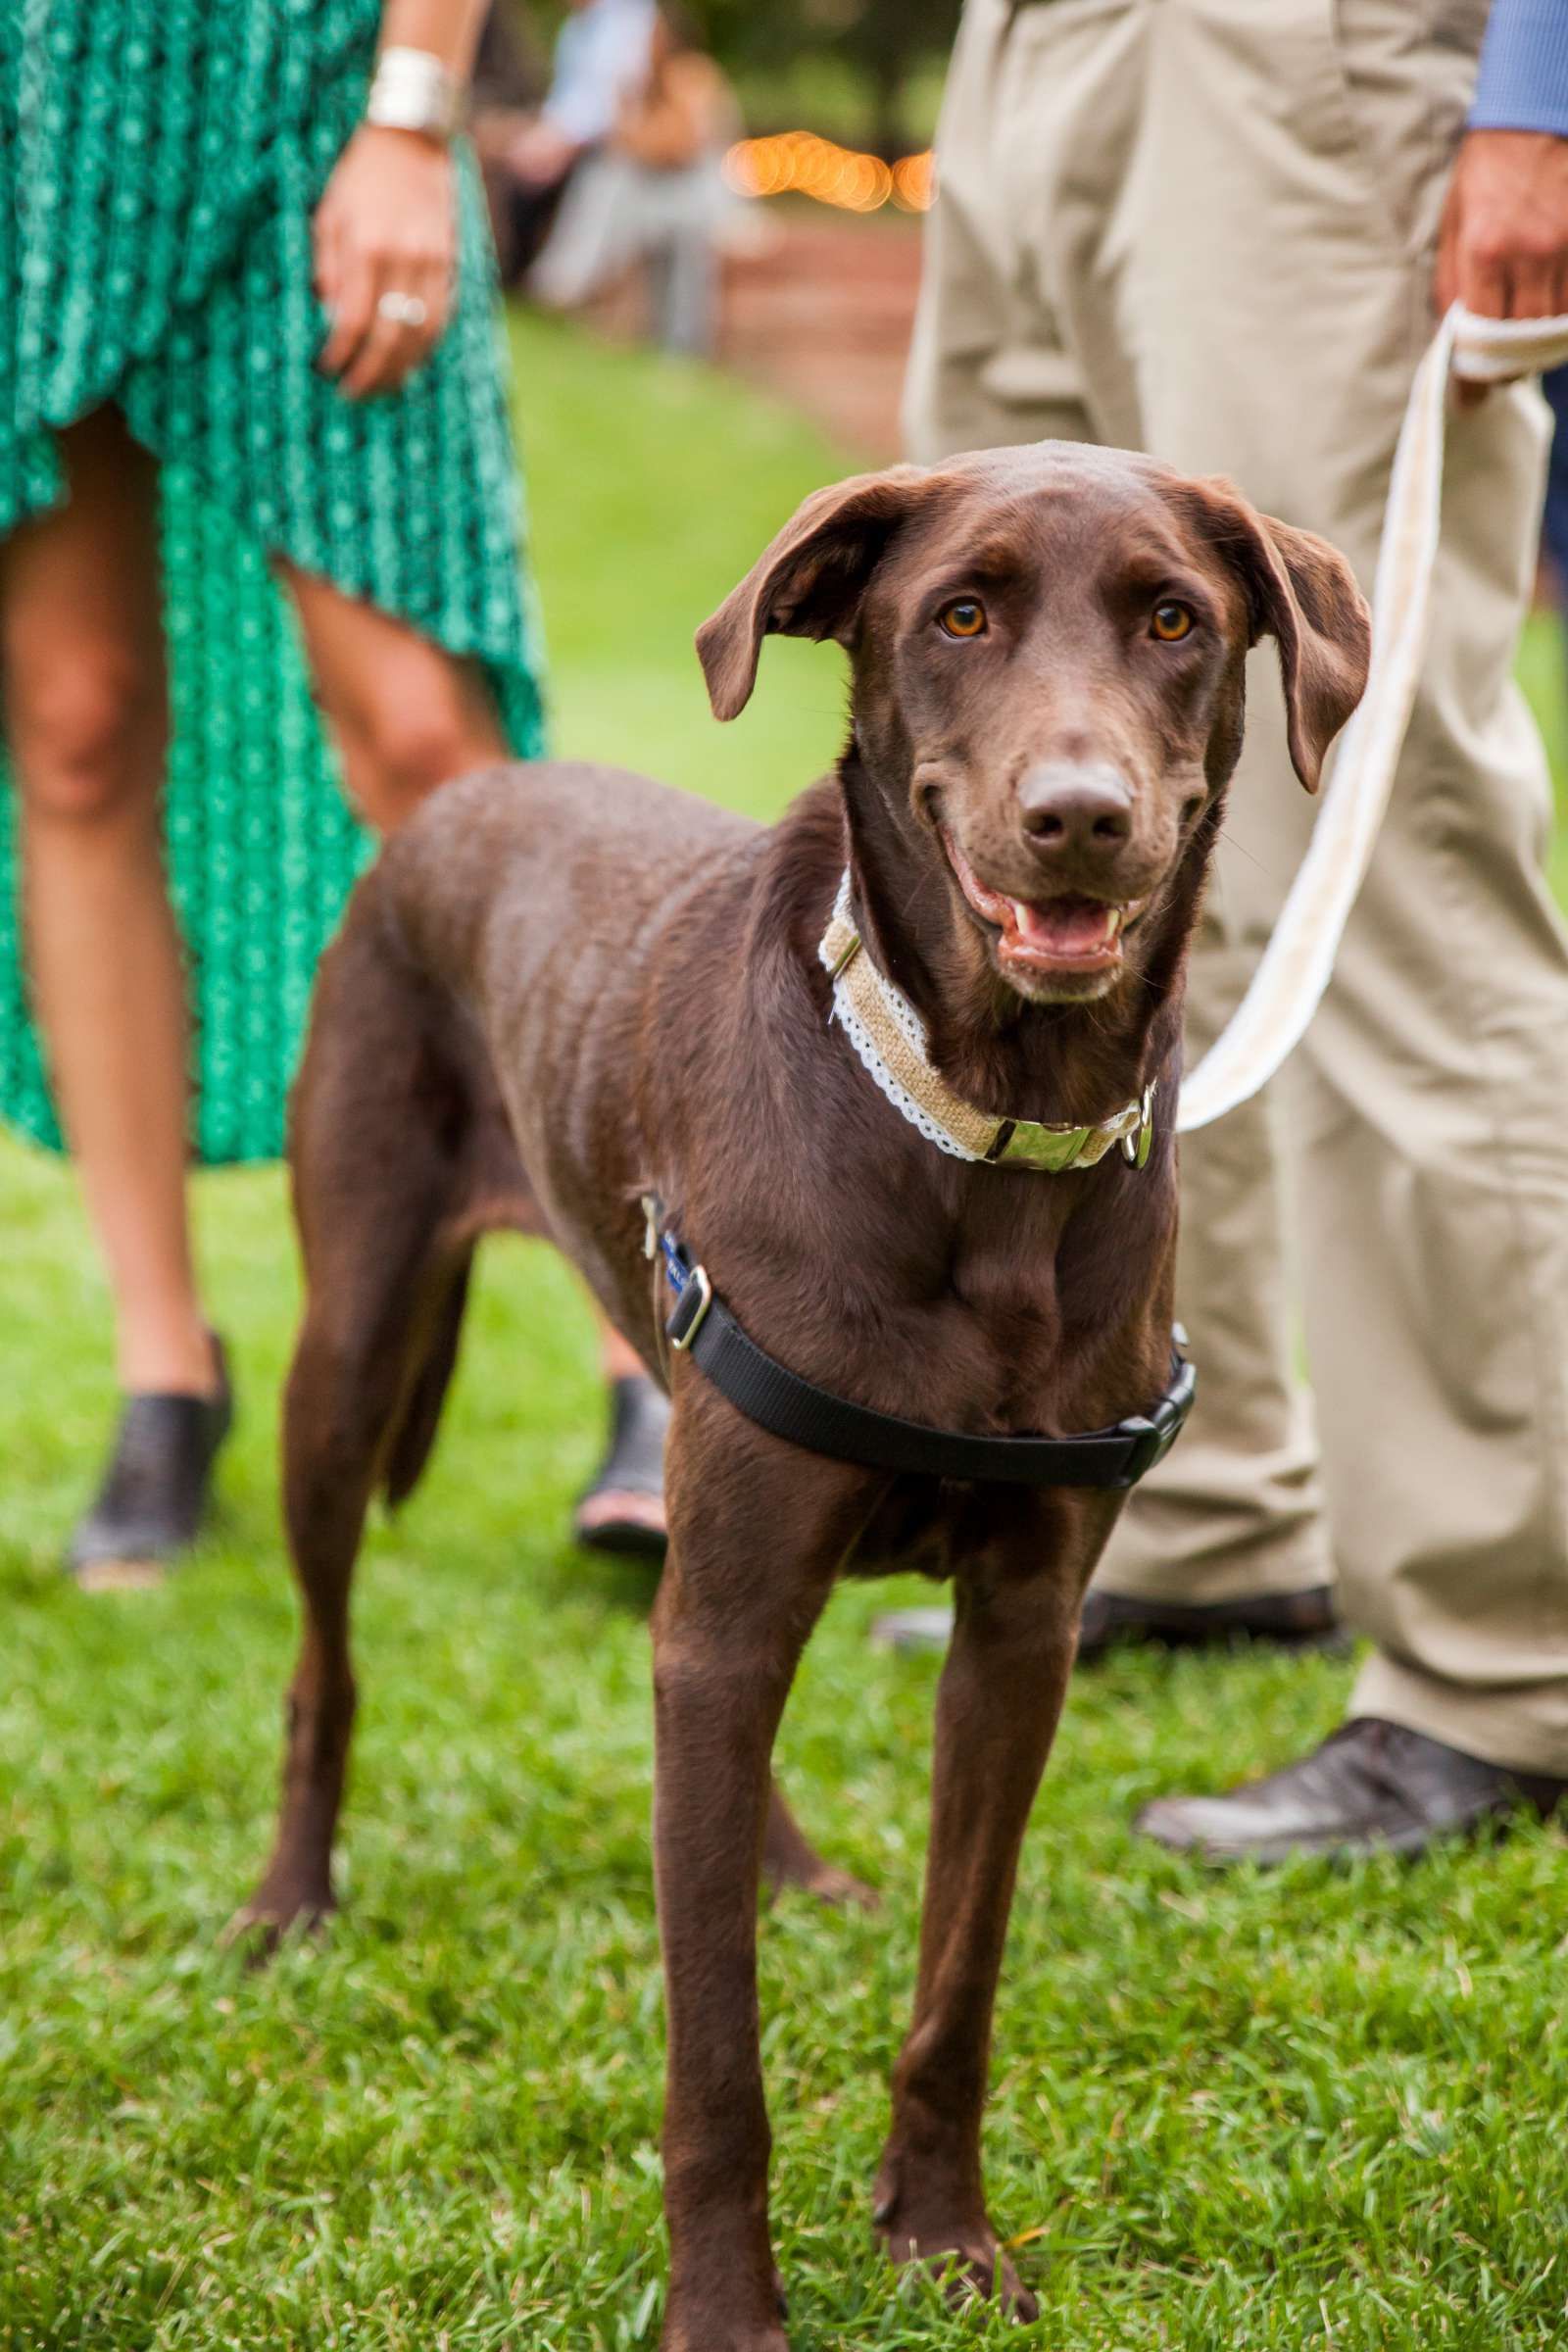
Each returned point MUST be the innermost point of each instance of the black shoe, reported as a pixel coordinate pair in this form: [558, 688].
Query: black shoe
[154, 1498]
[633, 1466]
[1372, 1788]
[1290, 1620]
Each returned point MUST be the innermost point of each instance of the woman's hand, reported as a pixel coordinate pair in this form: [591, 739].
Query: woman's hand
[386, 240]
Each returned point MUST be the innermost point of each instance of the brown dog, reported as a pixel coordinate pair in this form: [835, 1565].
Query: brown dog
[564, 988]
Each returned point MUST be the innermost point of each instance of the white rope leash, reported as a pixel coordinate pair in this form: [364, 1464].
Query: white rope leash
[1295, 966]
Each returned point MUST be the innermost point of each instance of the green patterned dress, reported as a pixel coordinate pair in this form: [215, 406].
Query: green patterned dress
[160, 162]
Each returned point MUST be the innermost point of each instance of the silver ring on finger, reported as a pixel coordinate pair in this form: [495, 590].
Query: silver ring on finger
[403, 309]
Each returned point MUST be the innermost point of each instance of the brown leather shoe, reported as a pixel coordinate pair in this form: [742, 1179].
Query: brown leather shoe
[1371, 1787]
[1291, 1620]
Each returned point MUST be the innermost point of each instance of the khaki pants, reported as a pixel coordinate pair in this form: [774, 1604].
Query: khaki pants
[1205, 228]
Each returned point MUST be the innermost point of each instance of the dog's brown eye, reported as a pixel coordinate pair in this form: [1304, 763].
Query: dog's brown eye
[1171, 621]
[965, 616]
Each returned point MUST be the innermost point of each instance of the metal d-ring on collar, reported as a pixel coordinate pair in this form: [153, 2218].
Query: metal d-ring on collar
[699, 1325]
[1033, 1144]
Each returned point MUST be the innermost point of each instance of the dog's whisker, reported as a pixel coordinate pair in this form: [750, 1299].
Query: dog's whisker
[1240, 849]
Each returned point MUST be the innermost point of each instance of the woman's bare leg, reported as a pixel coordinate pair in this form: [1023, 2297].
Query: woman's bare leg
[81, 661]
[404, 715]
[406, 718]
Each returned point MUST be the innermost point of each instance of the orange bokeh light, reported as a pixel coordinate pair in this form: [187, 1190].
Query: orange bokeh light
[915, 182]
[798, 163]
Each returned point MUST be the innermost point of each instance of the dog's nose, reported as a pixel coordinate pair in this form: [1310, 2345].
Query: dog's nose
[1074, 805]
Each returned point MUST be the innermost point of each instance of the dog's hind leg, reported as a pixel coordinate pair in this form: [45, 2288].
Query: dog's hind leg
[998, 1704]
[341, 1413]
[789, 1859]
[382, 1163]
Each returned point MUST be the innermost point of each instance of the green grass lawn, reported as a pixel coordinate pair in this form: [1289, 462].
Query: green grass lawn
[1313, 2108]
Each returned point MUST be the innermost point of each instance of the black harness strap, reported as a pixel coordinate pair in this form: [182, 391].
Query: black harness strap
[702, 1327]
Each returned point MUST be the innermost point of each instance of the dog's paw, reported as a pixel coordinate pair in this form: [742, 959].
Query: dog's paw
[260, 1927]
[962, 2249]
[807, 1873]
[697, 2332]
[972, 2266]
[696, 2326]
[838, 1889]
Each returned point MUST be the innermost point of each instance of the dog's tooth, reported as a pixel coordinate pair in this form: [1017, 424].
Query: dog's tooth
[1115, 916]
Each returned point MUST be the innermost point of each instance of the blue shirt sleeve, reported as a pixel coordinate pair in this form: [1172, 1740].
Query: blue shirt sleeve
[1524, 68]
[601, 57]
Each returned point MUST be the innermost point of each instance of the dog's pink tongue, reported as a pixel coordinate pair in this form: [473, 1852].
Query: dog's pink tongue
[1065, 926]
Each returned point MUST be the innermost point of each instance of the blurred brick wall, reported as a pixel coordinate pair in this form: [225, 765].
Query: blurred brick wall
[822, 316]
[819, 314]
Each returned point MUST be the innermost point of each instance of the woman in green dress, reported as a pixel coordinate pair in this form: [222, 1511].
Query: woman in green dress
[256, 474]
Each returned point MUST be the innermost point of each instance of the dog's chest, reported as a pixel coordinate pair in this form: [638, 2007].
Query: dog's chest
[1041, 1280]
[1002, 1279]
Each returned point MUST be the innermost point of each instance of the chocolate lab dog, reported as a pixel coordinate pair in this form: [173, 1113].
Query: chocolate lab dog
[574, 1001]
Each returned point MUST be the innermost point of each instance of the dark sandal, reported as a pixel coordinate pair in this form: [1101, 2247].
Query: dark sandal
[633, 1465]
[155, 1493]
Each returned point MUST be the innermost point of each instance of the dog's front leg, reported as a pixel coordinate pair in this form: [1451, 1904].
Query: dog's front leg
[998, 1704]
[757, 1533]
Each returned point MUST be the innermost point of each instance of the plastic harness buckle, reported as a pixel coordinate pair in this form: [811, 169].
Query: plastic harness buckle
[1155, 1433]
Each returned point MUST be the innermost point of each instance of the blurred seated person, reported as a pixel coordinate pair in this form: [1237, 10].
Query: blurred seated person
[602, 57]
[511, 75]
[654, 195]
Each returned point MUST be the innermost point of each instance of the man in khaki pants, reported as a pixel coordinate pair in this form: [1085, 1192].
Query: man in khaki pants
[1212, 230]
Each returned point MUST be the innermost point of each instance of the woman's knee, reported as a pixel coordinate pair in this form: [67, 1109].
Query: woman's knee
[413, 737]
[88, 728]
[406, 715]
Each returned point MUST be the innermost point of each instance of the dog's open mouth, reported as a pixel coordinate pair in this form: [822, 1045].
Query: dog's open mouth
[1071, 933]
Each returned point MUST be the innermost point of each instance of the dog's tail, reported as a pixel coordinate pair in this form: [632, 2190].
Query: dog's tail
[414, 1432]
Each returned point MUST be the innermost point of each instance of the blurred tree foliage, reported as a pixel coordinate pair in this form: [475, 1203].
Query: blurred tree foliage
[889, 47]
[886, 43]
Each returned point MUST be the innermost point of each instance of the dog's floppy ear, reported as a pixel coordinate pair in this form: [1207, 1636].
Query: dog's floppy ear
[809, 583]
[1303, 594]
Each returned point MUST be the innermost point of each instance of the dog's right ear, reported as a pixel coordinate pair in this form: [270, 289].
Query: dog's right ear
[810, 582]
